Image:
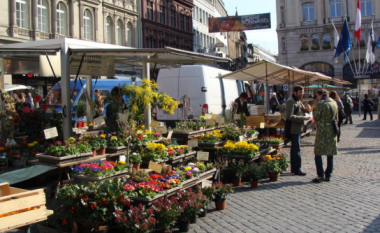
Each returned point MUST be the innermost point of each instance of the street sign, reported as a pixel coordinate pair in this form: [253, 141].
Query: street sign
[285, 87]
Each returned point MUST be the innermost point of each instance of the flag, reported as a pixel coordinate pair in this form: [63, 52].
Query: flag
[378, 43]
[358, 22]
[370, 55]
[344, 43]
[336, 39]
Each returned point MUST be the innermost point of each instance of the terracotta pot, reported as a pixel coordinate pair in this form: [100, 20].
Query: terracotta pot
[83, 229]
[93, 153]
[274, 176]
[136, 166]
[220, 205]
[101, 151]
[84, 123]
[254, 183]
[237, 183]
[79, 124]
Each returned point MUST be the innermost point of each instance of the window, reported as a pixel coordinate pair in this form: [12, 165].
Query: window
[198, 39]
[362, 39]
[61, 18]
[162, 14]
[120, 33]
[206, 19]
[335, 8]
[22, 13]
[283, 45]
[181, 22]
[109, 30]
[172, 17]
[87, 25]
[366, 7]
[308, 11]
[315, 42]
[42, 15]
[187, 18]
[304, 42]
[130, 34]
[149, 10]
[196, 13]
[326, 41]
[282, 15]
[320, 67]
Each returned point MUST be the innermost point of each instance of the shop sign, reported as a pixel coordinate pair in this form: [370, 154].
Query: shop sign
[308, 31]
[93, 65]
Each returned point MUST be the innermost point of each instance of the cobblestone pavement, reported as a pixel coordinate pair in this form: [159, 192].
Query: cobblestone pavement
[349, 203]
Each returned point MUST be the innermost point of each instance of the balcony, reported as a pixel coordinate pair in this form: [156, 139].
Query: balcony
[334, 19]
[368, 18]
[282, 25]
[309, 23]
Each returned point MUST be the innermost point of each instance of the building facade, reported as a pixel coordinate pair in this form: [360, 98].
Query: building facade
[167, 23]
[306, 37]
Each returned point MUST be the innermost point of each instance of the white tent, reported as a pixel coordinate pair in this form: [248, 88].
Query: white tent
[13, 87]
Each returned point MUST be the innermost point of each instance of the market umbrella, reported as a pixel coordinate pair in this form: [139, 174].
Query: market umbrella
[319, 86]
[13, 87]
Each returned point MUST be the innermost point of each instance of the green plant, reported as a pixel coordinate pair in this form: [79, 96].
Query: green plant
[284, 161]
[237, 169]
[209, 192]
[190, 204]
[135, 158]
[140, 176]
[136, 220]
[254, 172]
[232, 134]
[3, 161]
[272, 163]
[222, 190]
[80, 107]
[166, 212]
[60, 221]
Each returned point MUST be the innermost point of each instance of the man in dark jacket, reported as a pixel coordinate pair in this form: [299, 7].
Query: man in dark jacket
[368, 107]
[242, 104]
[273, 103]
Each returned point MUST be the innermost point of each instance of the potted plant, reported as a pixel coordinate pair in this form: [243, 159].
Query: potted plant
[254, 172]
[221, 192]
[284, 161]
[17, 158]
[135, 159]
[205, 192]
[102, 144]
[190, 206]
[59, 222]
[136, 220]
[272, 165]
[94, 144]
[166, 213]
[3, 161]
[237, 170]
[80, 107]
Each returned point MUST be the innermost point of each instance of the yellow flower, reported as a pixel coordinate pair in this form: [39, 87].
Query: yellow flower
[102, 136]
[113, 138]
[187, 168]
[35, 142]
[202, 117]
[2, 148]
[30, 145]
[268, 156]
[121, 162]
[72, 140]
[143, 127]
[89, 124]
[134, 108]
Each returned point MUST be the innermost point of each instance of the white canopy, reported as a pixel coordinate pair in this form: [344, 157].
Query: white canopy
[13, 87]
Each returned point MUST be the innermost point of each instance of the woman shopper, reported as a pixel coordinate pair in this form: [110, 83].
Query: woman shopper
[341, 115]
[348, 108]
[368, 107]
[325, 111]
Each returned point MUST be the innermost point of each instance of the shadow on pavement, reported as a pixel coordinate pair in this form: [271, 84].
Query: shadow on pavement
[269, 185]
[374, 226]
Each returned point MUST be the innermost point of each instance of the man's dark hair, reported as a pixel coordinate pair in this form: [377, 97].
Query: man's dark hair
[297, 88]
[365, 95]
[115, 91]
[322, 92]
[96, 90]
[243, 95]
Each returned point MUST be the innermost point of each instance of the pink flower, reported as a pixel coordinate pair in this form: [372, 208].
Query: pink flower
[84, 165]
[107, 164]
[129, 187]
[189, 174]
[157, 134]
[179, 150]
[26, 110]
[171, 153]
[17, 156]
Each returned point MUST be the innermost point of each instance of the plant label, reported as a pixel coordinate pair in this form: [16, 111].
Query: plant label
[154, 124]
[192, 143]
[51, 133]
[210, 122]
[161, 129]
[203, 156]
[207, 116]
[241, 138]
[155, 167]
[219, 120]
[99, 121]
[170, 134]
[123, 117]
[206, 183]
[262, 125]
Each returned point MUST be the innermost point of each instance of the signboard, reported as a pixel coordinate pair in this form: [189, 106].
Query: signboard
[161, 129]
[262, 125]
[99, 121]
[241, 138]
[207, 116]
[210, 122]
[203, 156]
[154, 124]
[206, 183]
[239, 23]
[155, 167]
[93, 65]
[285, 87]
[219, 120]
[170, 134]
[51, 133]
[192, 143]
[123, 117]
[363, 77]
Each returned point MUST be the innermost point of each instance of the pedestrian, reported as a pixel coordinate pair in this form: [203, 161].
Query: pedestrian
[341, 114]
[348, 108]
[325, 111]
[15, 98]
[274, 103]
[113, 109]
[29, 100]
[242, 106]
[99, 103]
[368, 107]
[295, 113]
[22, 103]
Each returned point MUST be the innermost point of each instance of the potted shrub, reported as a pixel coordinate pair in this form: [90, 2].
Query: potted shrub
[80, 107]
[59, 222]
[136, 220]
[190, 206]
[102, 144]
[272, 165]
[205, 198]
[254, 173]
[135, 159]
[284, 161]
[94, 144]
[166, 213]
[237, 170]
[221, 192]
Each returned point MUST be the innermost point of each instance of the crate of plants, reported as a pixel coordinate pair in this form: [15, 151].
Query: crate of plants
[115, 144]
[91, 172]
[18, 207]
[273, 142]
[264, 148]
[205, 170]
[72, 150]
[211, 139]
[240, 150]
[189, 174]
[170, 180]
[176, 153]
[232, 133]
[155, 152]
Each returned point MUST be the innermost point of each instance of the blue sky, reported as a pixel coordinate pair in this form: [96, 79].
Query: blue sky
[267, 37]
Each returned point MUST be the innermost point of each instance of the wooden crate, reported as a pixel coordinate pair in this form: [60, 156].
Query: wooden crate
[15, 199]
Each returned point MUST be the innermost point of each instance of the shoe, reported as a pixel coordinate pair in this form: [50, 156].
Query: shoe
[300, 174]
[351, 123]
[318, 179]
[327, 179]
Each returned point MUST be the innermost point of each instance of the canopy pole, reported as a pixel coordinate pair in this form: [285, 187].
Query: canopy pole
[267, 102]
[90, 107]
[3, 135]
[66, 100]
[146, 75]
[360, 99]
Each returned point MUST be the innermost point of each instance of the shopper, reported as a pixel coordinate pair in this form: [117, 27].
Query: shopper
[22, 103]
[325, 110]
[341, 114]
[274, 103]
[112, 110]
[29, 100]
[295, 113]
[242, 104]
[348, 108]
[368, 107]
[99, 103]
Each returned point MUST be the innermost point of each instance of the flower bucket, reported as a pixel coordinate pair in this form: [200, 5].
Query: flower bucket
[203, 213]
[183, 226]
[254, 183]
[274, 176]
[136, 166]
[101, 151]
[237, 183]
[220, 205]
[193, 219]
[93, 153]
[17, 163]
[79, 124]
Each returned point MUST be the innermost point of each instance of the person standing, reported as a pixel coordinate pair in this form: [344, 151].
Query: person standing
[333, 95]
[242, 106]
[29, 100]
[274, 103]
[22, 103]
[112, 110]
[295, 113]
[348, 107]
[368, 107]
[325, 111]
[99, 103]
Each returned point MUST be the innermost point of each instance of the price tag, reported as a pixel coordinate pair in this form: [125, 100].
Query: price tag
[207, 116]
[154, 124]
[219, 120]
[123, 117]
[155, 167]
[170, 134]
[51, 133]
[206, 183]
[161, 129]
[192, 143]
[203, 156]
[262, 125]
[241, 138]
[99, 121]
[210, 122]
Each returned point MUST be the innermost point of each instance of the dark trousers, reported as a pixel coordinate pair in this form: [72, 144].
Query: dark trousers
[319, 166]
[365, 114]
[295, 153]
[274, 109]
[348, 118]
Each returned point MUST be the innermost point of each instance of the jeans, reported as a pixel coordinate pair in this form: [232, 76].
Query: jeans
[295, 153]
[319, 166]
[365, 114]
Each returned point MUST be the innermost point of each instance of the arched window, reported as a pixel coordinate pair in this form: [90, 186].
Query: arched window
[130, 35]
[315, 42]
[42, 15]
[61, 18]
[120, 33]
[326, 41]
[87, 25]
[308, 12]
[304, 42]
[320, 67]
[109, 30]
[366, 7]
[22, 13]
[335, 8]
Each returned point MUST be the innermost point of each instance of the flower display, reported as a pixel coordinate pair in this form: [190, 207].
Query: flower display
[212, 137]
[240, 148]
[188, 171]
[102, 168]
[137, 219]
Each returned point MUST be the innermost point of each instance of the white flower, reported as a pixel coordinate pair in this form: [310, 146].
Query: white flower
[196, 169]
[190, 164]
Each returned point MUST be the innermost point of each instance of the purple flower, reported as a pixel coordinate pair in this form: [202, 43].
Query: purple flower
[78, 169]
[95, 170]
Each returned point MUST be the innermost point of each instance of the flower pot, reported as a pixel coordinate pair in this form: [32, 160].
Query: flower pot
[220, 205]
[274, 176]
[254, 183]
[203, 213]
[83, 229]
[17, 163]
[136, 166]
[284, 169]
[237, 183]
[183, 226]
[79, 124]
[101, 151]
[93, 153]
[193, 219]
[84, 123]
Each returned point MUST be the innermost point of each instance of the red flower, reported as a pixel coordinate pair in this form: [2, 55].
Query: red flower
[20, 145]
[26, 110]
[92, 138]
[37, 98]
[10, 152]
[64, 222]
[140, 137]
[93, 205]
[85, 198]
[24, 141]
[44, 107]
[72, 209]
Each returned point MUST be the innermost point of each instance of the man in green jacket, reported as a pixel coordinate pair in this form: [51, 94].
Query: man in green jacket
[295, 112]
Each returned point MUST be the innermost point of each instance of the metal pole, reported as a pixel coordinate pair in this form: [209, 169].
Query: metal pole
[65, 93]
[360, 99]
[267, 103]
[90, 107]
[146, 75]
[2, 105]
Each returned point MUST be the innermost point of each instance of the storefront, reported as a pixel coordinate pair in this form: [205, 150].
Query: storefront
[42, 84]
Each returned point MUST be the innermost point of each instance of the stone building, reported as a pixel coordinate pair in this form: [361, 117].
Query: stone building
[306, 37]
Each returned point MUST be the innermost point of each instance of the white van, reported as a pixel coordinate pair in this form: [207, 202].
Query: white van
[208, 93]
